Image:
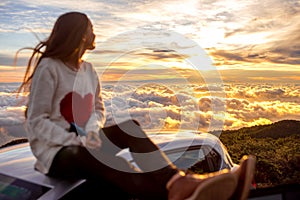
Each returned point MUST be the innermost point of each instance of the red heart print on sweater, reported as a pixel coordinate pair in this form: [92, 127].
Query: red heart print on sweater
[75, 108]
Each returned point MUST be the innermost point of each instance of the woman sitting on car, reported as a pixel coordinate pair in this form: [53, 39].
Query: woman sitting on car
[65, 90]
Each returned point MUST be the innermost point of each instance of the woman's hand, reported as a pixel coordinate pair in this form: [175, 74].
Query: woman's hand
[93, 140]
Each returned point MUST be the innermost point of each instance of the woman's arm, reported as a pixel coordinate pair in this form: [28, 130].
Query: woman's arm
[97, 118]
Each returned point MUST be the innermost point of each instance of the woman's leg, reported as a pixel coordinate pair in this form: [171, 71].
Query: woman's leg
[78, 162]
[219, 185]
[146, 154]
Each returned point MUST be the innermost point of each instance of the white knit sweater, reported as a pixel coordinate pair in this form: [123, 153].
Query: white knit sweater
[59, 96]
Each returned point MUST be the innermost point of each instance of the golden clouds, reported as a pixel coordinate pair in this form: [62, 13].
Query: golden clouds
[161, 106]
[171, 124]
[177, 106]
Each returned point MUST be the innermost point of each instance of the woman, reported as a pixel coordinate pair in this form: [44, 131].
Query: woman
[65, 90]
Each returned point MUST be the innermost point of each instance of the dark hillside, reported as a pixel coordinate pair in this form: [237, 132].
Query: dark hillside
[276, 130]
[276, 147]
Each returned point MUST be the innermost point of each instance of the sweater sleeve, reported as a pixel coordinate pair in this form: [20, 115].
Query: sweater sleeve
[97, 118]
[38, 121]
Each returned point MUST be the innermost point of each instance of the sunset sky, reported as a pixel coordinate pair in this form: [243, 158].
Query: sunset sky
[261, 36]
[252, 47]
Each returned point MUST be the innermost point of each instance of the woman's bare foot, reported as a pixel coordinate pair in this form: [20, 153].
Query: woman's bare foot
[218, 185]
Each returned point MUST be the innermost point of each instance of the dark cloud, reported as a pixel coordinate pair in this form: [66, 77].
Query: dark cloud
[8, 60]
[205, 104]
[277, 22]
[162, 50]
[236, 104]
[255, 25]
[226, 57]
[287, 49]
[223, 16]
[125, 58]
[281, 51]
[108, 51]
[163, 56]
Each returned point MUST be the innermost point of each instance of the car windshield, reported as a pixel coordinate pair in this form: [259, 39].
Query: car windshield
[202, 159]
[189, 157]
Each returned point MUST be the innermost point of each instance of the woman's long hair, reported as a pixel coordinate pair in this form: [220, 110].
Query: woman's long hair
[63, 42]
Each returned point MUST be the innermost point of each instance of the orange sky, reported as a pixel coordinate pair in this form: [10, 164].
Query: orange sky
[249, 40]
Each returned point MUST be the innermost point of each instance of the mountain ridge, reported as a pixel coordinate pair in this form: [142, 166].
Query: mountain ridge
[283, 128]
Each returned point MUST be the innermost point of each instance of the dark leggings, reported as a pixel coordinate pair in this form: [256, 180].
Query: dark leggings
[105, 166]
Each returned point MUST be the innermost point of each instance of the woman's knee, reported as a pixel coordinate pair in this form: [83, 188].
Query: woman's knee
[72, 152]
[65, 163]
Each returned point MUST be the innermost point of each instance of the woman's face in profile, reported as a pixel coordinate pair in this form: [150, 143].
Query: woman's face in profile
[89, 38]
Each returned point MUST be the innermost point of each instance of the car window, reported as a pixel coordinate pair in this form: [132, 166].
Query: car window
[185, 158]
[200, 159]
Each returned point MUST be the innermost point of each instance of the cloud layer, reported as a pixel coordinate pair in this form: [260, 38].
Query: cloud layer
[159, 106]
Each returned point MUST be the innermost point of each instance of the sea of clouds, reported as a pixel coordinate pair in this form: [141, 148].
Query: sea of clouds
[176, 106]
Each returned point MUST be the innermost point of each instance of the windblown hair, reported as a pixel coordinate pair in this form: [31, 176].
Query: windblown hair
[63, 42]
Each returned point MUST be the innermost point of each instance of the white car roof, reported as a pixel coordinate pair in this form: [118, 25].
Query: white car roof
[183, 139]
[17, 162]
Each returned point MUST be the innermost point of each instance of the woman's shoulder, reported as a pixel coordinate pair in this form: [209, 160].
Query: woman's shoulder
[49, 61]
[88, 66]
[51, 64]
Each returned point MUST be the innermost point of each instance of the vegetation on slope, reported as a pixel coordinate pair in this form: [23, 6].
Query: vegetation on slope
[276, 147]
